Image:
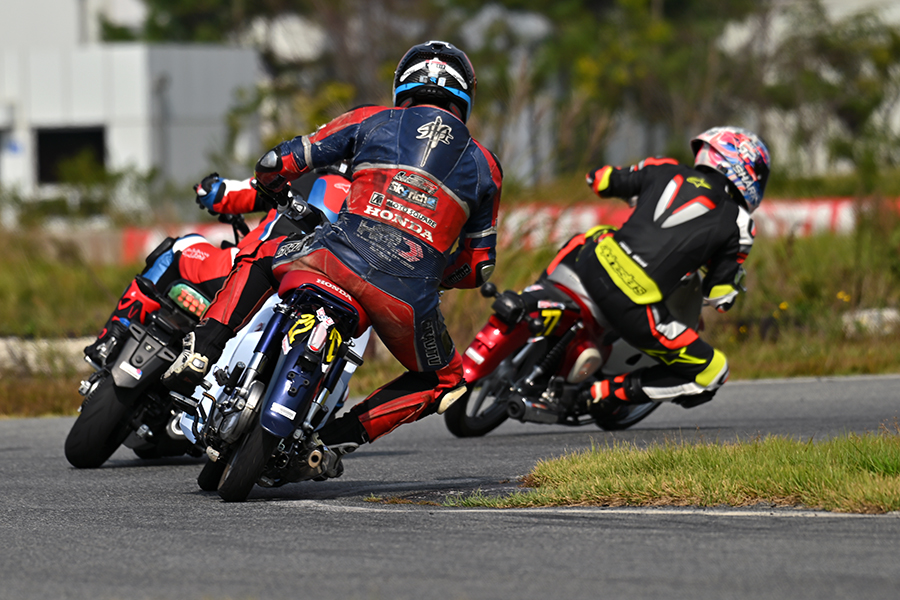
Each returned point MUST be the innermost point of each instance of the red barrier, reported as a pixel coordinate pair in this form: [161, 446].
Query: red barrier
[535, 225]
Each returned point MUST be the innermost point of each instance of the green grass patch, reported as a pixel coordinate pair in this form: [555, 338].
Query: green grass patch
[850, 473]
[35, 395]
[48, 291]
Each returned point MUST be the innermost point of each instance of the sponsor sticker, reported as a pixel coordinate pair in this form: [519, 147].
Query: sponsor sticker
[550, 304]
[284, 411]
[128, 368]
[195, 253]
[476, 358]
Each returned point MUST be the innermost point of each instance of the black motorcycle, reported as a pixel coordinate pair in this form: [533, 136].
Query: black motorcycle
[124, 401]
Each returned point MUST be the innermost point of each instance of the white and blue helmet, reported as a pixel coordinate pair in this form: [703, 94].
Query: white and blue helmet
[436, 73]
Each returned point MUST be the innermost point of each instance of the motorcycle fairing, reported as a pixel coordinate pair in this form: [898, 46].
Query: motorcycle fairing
[565, 278]
[299, 374]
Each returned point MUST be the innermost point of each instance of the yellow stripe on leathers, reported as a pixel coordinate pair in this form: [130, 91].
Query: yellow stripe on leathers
[627, 274]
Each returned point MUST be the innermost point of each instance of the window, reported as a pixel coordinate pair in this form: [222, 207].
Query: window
[56, 146]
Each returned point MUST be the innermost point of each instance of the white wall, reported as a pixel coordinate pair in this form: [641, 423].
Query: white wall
[35, 23]
[161, 106]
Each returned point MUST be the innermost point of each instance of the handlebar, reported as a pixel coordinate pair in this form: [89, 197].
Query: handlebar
[238, 224]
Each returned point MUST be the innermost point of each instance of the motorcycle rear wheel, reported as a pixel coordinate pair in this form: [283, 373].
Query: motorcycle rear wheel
[100, 429]
[245, 465]
[470, 416]
[626, 416]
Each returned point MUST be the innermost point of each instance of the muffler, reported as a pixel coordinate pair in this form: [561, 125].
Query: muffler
[315, 458]
[527, 411]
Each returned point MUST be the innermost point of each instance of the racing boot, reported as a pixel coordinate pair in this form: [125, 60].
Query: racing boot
[200, 349]
[608, 395]
[136, 303]
[108, 343]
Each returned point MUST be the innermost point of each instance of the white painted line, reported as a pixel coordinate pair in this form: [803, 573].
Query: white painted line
[804, 380]
[779, 513]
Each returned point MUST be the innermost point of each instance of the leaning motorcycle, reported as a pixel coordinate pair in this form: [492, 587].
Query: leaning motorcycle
[540, 351]
[124, 401]
[261, 428]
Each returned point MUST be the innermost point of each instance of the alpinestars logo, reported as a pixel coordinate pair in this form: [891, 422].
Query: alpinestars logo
[435, 132]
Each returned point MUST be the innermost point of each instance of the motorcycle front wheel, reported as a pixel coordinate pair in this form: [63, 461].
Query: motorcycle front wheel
[625, 416]
[211, 475]
[100, 429]
[245, 465]
[483, 407]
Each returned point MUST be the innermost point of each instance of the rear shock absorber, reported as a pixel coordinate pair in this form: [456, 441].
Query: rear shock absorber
[553, 357]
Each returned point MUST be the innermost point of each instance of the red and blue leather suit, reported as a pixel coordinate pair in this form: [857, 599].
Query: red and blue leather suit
[194, 259]
[421, 214]
[249, 281]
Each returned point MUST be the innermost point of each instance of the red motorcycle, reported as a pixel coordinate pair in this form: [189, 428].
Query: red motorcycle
[541, 350]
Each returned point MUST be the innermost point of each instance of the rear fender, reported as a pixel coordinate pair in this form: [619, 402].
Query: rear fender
[144, 357]
[290, 391]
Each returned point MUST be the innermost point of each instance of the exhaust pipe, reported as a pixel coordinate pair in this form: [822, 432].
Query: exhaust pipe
[530, 411]
[315, 458]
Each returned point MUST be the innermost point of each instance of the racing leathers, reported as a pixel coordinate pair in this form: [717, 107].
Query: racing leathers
[194, 259]
[684, 220]
[421, 215]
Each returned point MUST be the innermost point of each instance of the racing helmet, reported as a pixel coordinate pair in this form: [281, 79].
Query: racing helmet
[436, 73]
[739, 155]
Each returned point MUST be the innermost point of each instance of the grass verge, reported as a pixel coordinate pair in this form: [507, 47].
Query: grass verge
[850, 473]
[34, 395]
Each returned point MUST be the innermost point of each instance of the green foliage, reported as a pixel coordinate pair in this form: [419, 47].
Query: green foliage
[47, 290]
[838, 82]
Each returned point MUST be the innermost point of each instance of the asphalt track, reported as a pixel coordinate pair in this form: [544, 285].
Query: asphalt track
[142, 529]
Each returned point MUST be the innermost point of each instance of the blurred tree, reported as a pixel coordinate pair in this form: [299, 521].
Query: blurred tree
[555, 79]
[837, 87]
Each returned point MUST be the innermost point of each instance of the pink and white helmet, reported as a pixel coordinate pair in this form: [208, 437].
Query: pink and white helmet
[739, 155]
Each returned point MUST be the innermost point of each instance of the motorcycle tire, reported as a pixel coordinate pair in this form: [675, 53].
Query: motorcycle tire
[211, 475]
[245, 465]
[469, 417]
[626, 416]
[100, 429]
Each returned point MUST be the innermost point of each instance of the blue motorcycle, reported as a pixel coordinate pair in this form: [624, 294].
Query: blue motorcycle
[261, 428]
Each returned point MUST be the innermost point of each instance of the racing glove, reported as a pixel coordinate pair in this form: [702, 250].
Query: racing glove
[599, 180]
[722, 297]
[210, 191]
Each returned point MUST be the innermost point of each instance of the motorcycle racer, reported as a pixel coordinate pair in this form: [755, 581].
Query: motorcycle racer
[685, 219]
[421, 214]
[194, 259]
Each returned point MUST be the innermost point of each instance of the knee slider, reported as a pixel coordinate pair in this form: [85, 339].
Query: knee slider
[715, 373]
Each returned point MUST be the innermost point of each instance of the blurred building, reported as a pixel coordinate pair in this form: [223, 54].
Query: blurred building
[131, 105]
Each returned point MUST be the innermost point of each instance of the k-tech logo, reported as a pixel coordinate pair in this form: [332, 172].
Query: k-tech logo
[415, 196]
